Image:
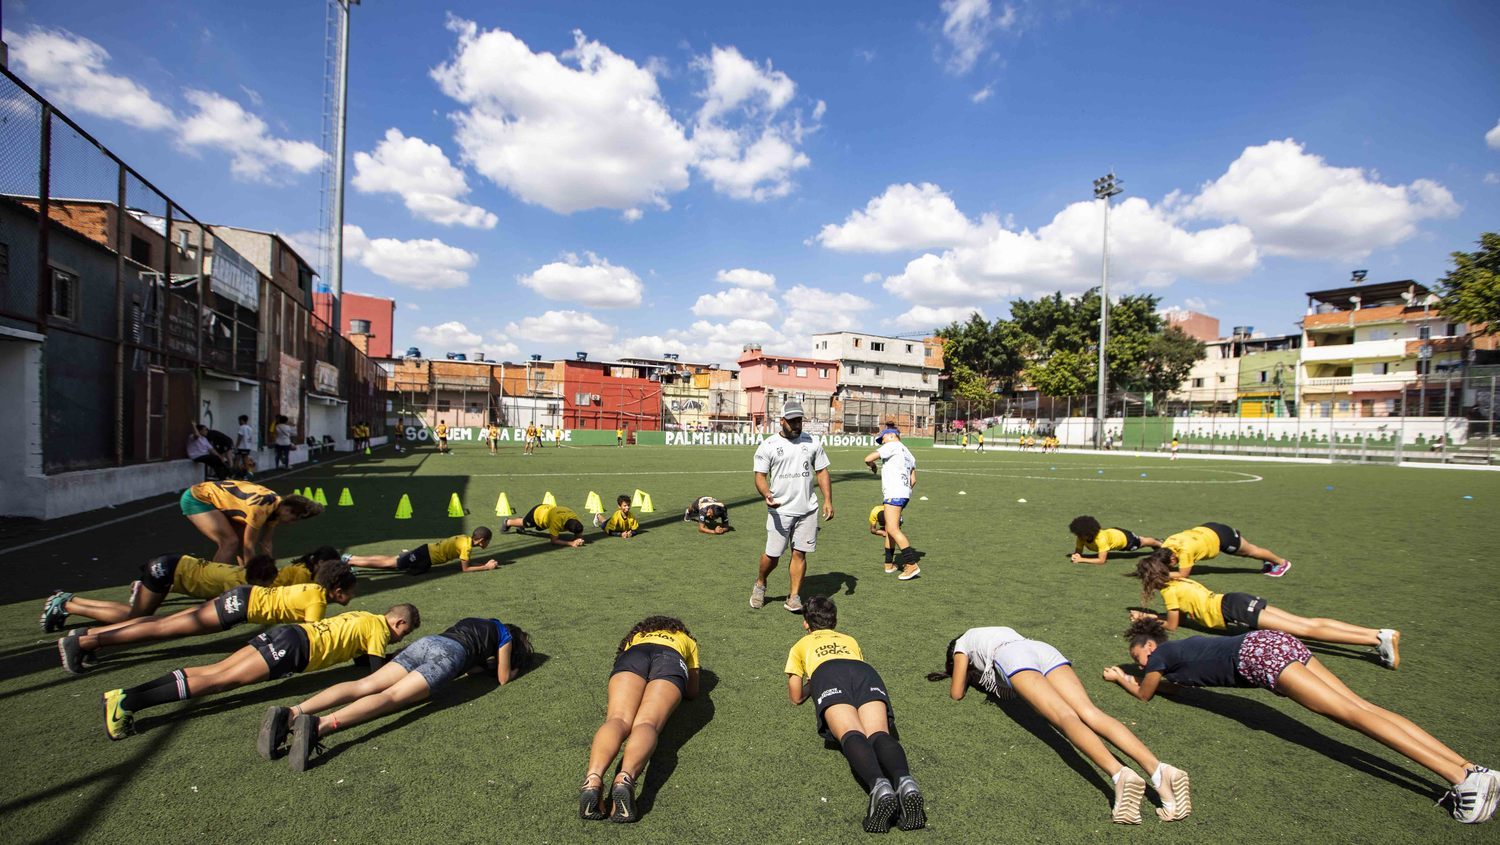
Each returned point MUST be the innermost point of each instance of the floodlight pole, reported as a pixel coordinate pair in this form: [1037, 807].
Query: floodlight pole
[1104, 188]
[341, 119]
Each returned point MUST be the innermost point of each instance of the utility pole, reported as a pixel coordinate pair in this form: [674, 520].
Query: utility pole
[336, 261]
[1104, 187]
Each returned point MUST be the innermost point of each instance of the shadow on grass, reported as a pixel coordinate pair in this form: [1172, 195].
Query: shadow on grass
[689, 718]
[1252, 568]
[1022, 714]
[829, 584]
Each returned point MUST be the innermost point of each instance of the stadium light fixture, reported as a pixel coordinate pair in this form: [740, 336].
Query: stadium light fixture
[1105, 187]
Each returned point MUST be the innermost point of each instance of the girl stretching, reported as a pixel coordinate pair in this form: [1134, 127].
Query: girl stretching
[656, 667]
[1280, 662]
[852, 709]
[472, 646]
[1243, 611]
[1003, 663]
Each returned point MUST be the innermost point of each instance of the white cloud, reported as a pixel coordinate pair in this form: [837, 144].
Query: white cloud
[587, 129]
[706, 342]
[1492, 178]
[70, 69]
[630, 215]
[1492, 137]
[870, 278]
[423, 177]
[746, 149]
[498, 346]
[579, 328]
[451, 336]
[1300, 206]
[983, 94]
[1196, 303]
[744, 278]
[905, 217]
[426, 264]
[586, 280]
[222, 124]
[737, 302]
[811, 310]
[929, 318]
[734, 80]
[968, 25]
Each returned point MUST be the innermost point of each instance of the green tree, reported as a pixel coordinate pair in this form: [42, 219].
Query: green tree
[1470, 292]
[969, 384]
[1064, 373]
[1169, 358]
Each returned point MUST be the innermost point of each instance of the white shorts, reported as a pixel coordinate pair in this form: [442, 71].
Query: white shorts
[1023, 655]
[799, 532]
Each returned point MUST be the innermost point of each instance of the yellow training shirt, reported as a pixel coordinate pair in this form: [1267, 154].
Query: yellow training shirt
[280, 605]
[675, 640]
[291, 574]
[241, 501]
[877, 516]
[621, 521]
[816, 648]
[1191, 546]
[1196, 601]
[1107, 540]
[454, 548]
[554, 518]
[441, 430]
[204, 579]
[345, 637]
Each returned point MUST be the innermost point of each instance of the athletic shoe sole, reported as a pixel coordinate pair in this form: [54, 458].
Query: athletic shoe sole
[1128, 794]
[304, 737]
[1175, 785]
[1277, 572]
[63, 644]
[272, 733]
[1394, 660]
[880, 820]
[913, 814]
[623, 798]
[907, 576]
[588, 805]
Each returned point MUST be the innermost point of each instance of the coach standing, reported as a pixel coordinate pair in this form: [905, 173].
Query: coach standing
[785, 466]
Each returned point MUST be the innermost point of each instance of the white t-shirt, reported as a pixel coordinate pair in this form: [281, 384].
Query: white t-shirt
[985, 641]
[897, 463]
[789, 466]
[246, 438]
[284, 433]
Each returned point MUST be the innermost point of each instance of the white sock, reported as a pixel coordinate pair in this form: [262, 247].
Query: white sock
[1156, 775]
[1116, 776]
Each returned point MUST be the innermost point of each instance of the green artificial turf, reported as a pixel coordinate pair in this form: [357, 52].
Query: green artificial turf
[1377, 546]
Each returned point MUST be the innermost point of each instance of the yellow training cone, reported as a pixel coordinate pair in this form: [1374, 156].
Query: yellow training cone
[403, 508]
[646, 506]
[346, 500]
[455, 508]
[594, 505]
[320, 498]
[636, 500]
[547, 499]
[367, 450]
[502, 506]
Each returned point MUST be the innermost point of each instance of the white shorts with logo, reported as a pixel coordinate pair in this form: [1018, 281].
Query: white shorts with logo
[799, 532]
[1024, 655]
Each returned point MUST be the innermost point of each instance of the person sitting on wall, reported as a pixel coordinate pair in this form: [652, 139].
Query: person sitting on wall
[201, 450]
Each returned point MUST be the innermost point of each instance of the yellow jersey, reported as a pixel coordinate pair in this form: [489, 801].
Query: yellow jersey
[619, 434]
[279, 605]
[818, 647]
[678, 641]
[345, 637]
[554, 518]
[203, 579]
[492, 432]
[441, 430]
[241, 501]
[1107, 540]
[291, 574]
[454, 548]
[1195, 601]
[1191, 546]
[877, 516]
[621, 521]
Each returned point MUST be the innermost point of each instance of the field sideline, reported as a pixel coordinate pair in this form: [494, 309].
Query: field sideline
[1373, 545]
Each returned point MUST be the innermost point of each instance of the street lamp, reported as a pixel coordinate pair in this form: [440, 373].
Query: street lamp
[1104, 187]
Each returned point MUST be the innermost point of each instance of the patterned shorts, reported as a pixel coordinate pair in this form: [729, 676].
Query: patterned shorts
[1264, 655]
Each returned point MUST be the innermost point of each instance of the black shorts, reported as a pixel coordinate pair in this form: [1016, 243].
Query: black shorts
[233, 606]
[157, 576]
[852, 682]
[1229, 539]
[1242, 611]
[529, 520]
[284, 648]
[1132, 542]
[653, 662]
[416, 561]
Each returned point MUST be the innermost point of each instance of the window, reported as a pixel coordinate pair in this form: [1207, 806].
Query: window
[64, 295]
[1380, 369]
[783, 369]
[822, 372]
[1197, 382]
[1424, 332]
[1367, 407]
[856, 343]
[927, 378]
[853, 369]
[444, 405]
[1424, 366]
[1344, 406]
[877, 371]
[908, 351]
[473, 407]
[1263, 378]
[1390, 407]
[801, 372]
[1221, 379]
[140, 250]
[359, 326]
[1450, 330]
[876, 346]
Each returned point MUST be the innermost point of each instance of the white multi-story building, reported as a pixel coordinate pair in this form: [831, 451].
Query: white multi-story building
[873, 366]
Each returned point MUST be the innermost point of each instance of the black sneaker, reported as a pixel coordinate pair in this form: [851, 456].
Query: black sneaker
[883, 803]
[588, 799]
[622, 795]
[913, 813]
[305, 744]
[273, 731]
[72, 655]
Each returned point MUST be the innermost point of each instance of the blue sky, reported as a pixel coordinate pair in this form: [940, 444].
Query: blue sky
[688, 177]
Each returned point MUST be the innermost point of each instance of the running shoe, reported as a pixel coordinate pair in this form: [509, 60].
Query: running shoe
[891, 568]
[588, 799]
[118, 723]
[913, 815]
[1474, 799]
[883, 804]
[305, 743]
[1390, 647]
[72, 655]
[273, 731]
[909, 573]
[622, 796]
[505, 527]
[793, 603]
[53, 614]
[1176, 802]
[758, 597]
[599, 520]
[1276, 570]
[1130, 788]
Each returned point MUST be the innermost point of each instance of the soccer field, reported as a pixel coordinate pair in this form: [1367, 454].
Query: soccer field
[1376, 546]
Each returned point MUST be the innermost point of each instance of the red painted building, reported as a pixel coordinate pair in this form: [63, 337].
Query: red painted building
[602, 395]
[371, 316]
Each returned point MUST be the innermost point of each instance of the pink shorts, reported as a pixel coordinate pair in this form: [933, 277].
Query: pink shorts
[1264, 655]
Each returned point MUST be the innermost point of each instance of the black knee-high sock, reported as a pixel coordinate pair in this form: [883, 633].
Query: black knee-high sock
[890, 555]
[891, 755]
[861, 757]
[170, 687]
[908, 556]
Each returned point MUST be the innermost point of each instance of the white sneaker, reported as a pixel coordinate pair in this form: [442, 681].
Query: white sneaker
[1176, 802]
[1130, 788]
[1474, 800]
[1390, 647]
[599, 520]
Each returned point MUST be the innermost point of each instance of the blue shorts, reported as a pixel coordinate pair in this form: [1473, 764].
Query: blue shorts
[900, 503]
[436, 658]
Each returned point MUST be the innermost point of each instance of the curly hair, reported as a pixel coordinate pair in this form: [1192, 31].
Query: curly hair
[1143, 631]
[1085, 528]
[334, 575]
[653, 623]
[1155, 572]
[260, 570]
[820, 613]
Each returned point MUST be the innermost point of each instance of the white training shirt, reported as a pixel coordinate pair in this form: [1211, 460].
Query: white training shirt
[246, 438]
[897, 463]
[789, 466]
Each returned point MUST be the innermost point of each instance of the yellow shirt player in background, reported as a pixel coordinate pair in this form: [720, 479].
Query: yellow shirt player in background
[1089, 535]
[1183, 550]
[553, 519]
[440, 431]
[620, 522]
[557, 437]
[417, 561]
[334, 584]
[532, 436]
[492, 434]
[853, 709]
[619, 437]
[240, 516]
[283, 651]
